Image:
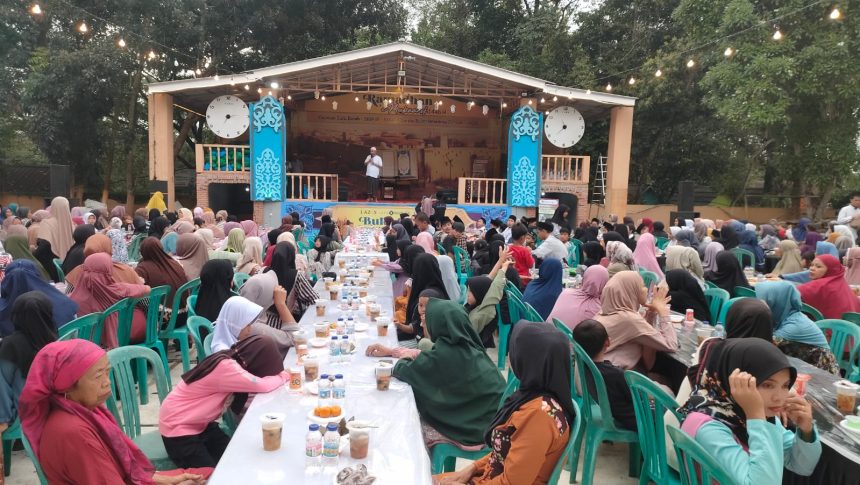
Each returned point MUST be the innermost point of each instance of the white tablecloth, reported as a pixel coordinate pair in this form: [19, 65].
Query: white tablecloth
[397, 452]
[367, 255]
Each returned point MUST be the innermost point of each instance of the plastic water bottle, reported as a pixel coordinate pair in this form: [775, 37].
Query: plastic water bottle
[313, 446]
[719, 331]
[334, 348]
[344, 303]
[340, 326]
[339, 389]
[350, 325]
[344, 348]
[331, 445]
[324, 390]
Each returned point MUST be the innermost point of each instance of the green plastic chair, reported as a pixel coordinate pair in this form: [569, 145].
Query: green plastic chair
[12, 434]
[711, 284]
[662, 243]
[573, 255]
[124, 361]
[124, 311]
[716, 298]
[87, 327]
[207, 344]
[441, 249]
[743, 254]
[194, 325]
[239, 279]
[512, 288]
[504, 335]
[575, 430]
[522, 310]
[154, 316]
[43, 480]
[598, 421]
[811, 312]
[851, 317]
[303, 247]
[744, 291]
[172, 332]
[461, 258]
[843, 334]
[651, 403]
[58, 265]
[577, 399]
[649, 277]
[696, 465]
[725, 309]
[190, 305]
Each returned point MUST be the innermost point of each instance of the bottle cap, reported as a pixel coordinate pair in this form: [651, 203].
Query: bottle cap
[323, 377]
[338, 376]
[314, 427]
[331, 427]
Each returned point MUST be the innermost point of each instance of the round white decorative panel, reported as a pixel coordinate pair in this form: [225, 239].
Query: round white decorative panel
[564, 126]
[227, 116]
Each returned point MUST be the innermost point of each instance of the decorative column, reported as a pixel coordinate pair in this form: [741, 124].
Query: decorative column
[524, 155]
[618, 163]
[268, 150]
[161, 143]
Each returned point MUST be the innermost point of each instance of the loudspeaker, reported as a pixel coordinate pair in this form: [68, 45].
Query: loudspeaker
[686, 195]
[59, 175]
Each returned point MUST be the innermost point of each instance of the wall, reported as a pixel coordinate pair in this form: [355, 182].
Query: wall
[756, 215]
[206, 178]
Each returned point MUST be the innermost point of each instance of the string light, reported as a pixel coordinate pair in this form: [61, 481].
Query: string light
[691, 63]
[530, 102]
[83, 28]
[777, 35]
[270, 93]
[274, 85]
[217, 77]
[555, 98]
[542, 100]
[259, 90]
[247, 88]
[728, 52]
[632, 81]
[608, 86]
[658, 73]
[289, 97]
[36, 9]
[504, 105]
[197, 71]
[121, 42]
[322, 97]
[356, 99]
[834, 14]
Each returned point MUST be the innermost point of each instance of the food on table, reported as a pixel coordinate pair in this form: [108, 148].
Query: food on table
[357, 475]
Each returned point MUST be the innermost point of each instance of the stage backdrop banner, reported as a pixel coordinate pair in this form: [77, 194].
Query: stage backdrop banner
[524, 157]
[268, 150]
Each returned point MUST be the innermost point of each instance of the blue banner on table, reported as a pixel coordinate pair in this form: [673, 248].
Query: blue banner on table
[268, 150]
[524, 157]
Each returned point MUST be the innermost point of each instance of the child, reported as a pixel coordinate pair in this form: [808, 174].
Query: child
[564, 237]
[523, 260]
[592, 337]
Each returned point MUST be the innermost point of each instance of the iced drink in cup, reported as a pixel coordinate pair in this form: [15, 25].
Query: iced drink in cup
[273, 425]
[300, 337]
[703, 333]
[320, 307]
[341, 263]
[373, 309]
[846, 396]
[800, 383]
[342, 275]
[312, 369]
[383, 375]
[328, 282]
[382, 326]
[333, 291]
[321, 330]
[295, 378]
[301, 351]
[370, 300]
[362, 292]
[359, 439]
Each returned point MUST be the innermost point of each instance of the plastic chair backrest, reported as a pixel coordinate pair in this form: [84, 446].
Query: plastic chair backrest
[191, 304]
[512, 288]
[155, 312]
[651, 403]
[711, 284]
[563, 328]
[191, 288]
[743, 254]
[843, 334]
[573, 255]
[124, 311]
[461, 258]
[195, 323]
[531, 314]
[851, 317]
[744, 291]
[303, 247]
[87, 327]
[695, 464]
[123, 364]
[716, 298]
[239, 279]
[207, 345]
[441, 249]
[571, 444]
[661, 243]
[43, 480]
[587, 372]
[649, 277]
[811, 312]
[58, 265]
[725, 310]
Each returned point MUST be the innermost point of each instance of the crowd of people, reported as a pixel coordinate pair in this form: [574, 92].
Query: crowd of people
[444, 326]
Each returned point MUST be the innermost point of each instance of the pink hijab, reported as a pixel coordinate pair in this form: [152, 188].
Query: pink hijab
[56, 368]
[830, 294]
[577, 304]
[852, 261]
[425, 240]
[645, 254]
[250, 228]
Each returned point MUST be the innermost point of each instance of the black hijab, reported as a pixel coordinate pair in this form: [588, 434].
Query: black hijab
[425, 274]
[749, 317]
[157, 227]
[593, 253]
[297, 219]
[729, 274]
[139, 224]
[541, 374]
[686, 293]
[33, 318]
[75, 256]
[407, 258]
[324, 241]
[493, 251]
[624, 232]
[272, 236]
[327, 230]
[729, 237]
[216, 280]
[154, 214]
[401, 248]
[391, 247]
[479, 286]
[590, 234]
[409, 226]
[610, 236]
[284, 265]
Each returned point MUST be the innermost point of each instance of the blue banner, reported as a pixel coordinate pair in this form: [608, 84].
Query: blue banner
[524, 157]
[268, 150]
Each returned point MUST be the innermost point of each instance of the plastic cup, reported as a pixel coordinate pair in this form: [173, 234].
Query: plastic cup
[374, 310]
[800, 383]
[321, 330]
[320, 303]
[328, 282]
[853, 422]
[333, 291]
[370, 300]
[341, 263]
[846, 396]
[703, 333]
[273, 425]
[362, 292]
[382, 326]
[342, 275]
[383, 375]
[359, 439]
[295, 378]
[300, 337]
[312, 369]
[301, 351]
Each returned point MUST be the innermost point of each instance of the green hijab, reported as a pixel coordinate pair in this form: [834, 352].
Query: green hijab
[457, 387]
[19, 248]
[235, 240]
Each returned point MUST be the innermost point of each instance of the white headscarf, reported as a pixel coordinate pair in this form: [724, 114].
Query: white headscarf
[236, 314]
[449, 277]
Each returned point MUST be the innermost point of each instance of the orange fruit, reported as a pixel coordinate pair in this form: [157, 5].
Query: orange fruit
[335, 411]
[317, 411]
[325, 412]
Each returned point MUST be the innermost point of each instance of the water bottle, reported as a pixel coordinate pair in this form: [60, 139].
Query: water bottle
[339, 389]
[344, 304]
[340, 326]
[334, 349]
[324, 390]
[350, 325]
[331, 445]
[345, 349]
[313, 446]
[719, 331]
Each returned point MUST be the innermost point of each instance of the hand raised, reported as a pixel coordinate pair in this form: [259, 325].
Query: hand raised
[744, 391]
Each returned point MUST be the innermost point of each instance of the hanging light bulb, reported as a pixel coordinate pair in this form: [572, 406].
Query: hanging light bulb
[274, 85]
[453, 109]
[485, 109]
[247, 88]
[834, 14]
[83, 28]
[587, 91]
[632, 81]
[530, 102]
[356, 99]
[728, 52]
[543, 100]
[270, 93]
[197, 71]
[658, 73]
[691, 63]
[555, 98]
[420, 104]
[609, 86]
[322, 97]
[504, 105]
[217, 77]
[368, 105]
[36, 9]
[259, 90]
[777, 35]
[175, 63]
[289, 97]
[121, 42]
[470, 105]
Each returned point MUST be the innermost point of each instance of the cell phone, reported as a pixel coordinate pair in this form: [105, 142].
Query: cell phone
[651, 291]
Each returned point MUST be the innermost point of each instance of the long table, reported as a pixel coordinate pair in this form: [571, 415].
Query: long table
[397, 453]
[840, 459]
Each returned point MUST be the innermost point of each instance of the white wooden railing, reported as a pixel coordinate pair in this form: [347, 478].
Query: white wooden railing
[571, 169]
[481, 191]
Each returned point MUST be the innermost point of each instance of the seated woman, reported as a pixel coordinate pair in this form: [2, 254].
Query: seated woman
[300, 292]
[593, 252]
[302, 263]
[23, 277]
[645, 255]
[741, 387]
[272, 240]
[541, 293]
[240, 318]
[634, 340]
[263, 289]
[687, 259]
[406, 262]
[426, 274]
[749, 317]
[97, 289]
[789, 258]
[188, 418]
[140, 234]
[749, 242]
[619, 258]
[33, 318]
[158, 269]
[116, 235]
[191, 254]
[19, 247]
[728, 274]
[63, 402]
[574, 305]
[379, 350]
[55, 236]
[793, 332]
[216, 284]
[251, 261]
[321, 256]
[852, 264]
[484, 293]
[457, 387]
[828, 292]
[395, 250]
[449, 276]
[531, 429]
[686, 293]
[99, 243]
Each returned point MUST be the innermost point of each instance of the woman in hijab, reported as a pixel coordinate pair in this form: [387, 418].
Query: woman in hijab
[158, 226]
[700, 231]
[687, 259]
[449, 276]
[395, 249]
[749, 317]
[230, 225]
[191, 254]
[272, 240]
[425, 240]
[408, 226]
[824, 247]
[729, 237]
[749, 242]
[209, 223]
[624, 232]
[793, 332]
[35, 223]
[634, 340]
[852, 262]
[483, 294]
[158, 269]
[251, 261]
[216, 283]
[75, 256]
[263, 289]
[620, 258]
[709, 260]
[33, 319]
[19, 248]
[494, 249]
[250, 228]
[541, 293]
[63, 401]
[286, 223]
[302, 263]
[406, 261]
[188, 418]
[96, 290]
[239, 319]
[300, 292]
[457, 387]
[645, 255]
[659, 230]
[687, 239]
[209, 240]
[577, 304]
[769, 239]
[799, 231]
[425, 275]
[99, 243]
[400, 232]
[55, 236]
[140, 233]
[810, 242]
[728, 274]
[828, 292]
[321, 257]
[593, 253]
[117, 239]
[21, 277]
[686, 293]
[789, 258]
[156, 201]
[235, 240]
[533, 425]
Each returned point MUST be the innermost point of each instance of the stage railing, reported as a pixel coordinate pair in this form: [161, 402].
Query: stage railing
[482, 191]
[312, 186]
[571, 169]
[222, 158]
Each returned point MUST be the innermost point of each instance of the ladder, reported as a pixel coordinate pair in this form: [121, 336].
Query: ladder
[598, 190]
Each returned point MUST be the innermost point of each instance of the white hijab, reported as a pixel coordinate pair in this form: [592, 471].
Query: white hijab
[449, 277]
[236, 314]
